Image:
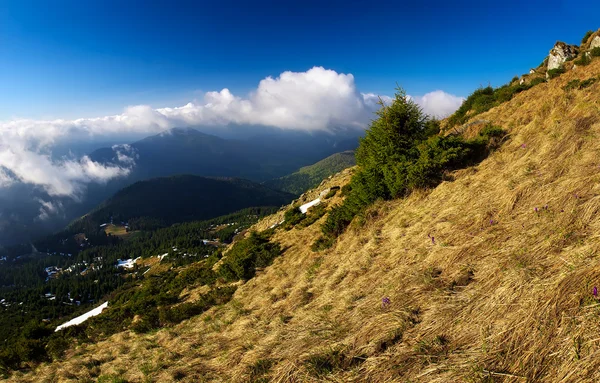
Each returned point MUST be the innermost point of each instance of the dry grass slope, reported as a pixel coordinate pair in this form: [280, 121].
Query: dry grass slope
[501, 294]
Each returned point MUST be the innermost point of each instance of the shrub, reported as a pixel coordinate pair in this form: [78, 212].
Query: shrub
[553, 73]
[332, 192]
[584, 60]
[313, 215]
[573, 84]
[247, 255]
[578, 84]
[586, 37]
[293, 217]
[346, 189]
[536, 81]
[589, 82]
[176, 314]
[483, 99]
[595, 52]
[396, 156]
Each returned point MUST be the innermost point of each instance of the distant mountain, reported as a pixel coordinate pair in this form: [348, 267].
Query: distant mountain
[311, 176]
[258, 158]
[257, 154]
[167, 200]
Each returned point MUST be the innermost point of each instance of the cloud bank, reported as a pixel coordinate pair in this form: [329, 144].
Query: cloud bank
[316, 100]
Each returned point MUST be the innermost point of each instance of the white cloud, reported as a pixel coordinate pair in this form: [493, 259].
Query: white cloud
[316, 100]
[438, 103]
[48, 208]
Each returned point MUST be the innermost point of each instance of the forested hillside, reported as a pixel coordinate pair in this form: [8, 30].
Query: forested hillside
[311, 176]
[163, 201]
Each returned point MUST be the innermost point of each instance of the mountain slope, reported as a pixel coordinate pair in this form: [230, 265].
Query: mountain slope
[258, 158]
[311, 176]
[185, 198]
[489, 277]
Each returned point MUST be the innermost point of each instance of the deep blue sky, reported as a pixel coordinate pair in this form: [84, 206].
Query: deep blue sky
[87, 58]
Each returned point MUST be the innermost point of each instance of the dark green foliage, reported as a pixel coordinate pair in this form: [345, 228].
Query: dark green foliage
[346, 189]
[578, 84]
[164, 201]
[586, 37]
[322, 243]
[584, 60]
[595, 52]
[256, 251]
[311, 176]
[587, 83]
[176, 314]
[536, 81]
[332, 192]
[553, 73]
[484, 99]
[397, 156]
[292, 217]
[326, 362]
[259, 370]
[313, 215]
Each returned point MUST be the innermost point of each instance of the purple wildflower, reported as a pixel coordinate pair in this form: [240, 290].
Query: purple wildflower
[595, 292]
[523, 146]
[491, 221]
[385, 302]
[432, 238]
[535, 209]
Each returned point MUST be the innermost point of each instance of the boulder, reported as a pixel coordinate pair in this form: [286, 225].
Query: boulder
[560, 54]
[595, 42]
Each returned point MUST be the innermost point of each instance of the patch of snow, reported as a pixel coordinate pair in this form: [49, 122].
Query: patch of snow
[304, 208]
[82, 318]
[127, 263]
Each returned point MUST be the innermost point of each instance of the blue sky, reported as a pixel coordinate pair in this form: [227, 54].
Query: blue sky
[90, 58]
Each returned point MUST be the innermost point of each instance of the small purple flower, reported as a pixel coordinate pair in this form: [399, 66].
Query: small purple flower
[385, 302]
[523, 146]
[535, 209]
[546, 207]
[595, 292]
[491, 221]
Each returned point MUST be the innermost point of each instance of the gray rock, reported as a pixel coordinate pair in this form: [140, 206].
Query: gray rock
[560, 54]
[595, 42]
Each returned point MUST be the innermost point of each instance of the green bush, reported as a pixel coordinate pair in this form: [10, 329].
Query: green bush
[553, 73]
[313, 215]
[589, 82]
[397, 156]
[578, 84]
[571, 85]
[247, 255]
[483, 99]
[332, 192]
[584, 60]
[595, 52]
[536, 81]
[292, 217]
[586, 37]
[176, 314]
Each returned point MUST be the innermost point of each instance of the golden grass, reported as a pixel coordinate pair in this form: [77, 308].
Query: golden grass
[503, 295]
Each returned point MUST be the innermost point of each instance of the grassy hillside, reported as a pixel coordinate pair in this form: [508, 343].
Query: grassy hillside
[167, 200]
[488, 277]
[311, 176]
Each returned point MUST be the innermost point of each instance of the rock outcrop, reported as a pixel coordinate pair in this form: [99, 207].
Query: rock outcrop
[595, 42]
[560, 54]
